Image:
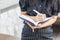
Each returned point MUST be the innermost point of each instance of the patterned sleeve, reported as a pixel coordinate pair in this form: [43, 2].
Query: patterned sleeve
[23, 5]
[55, 8]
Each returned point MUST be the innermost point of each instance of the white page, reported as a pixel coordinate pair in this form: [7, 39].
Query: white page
[29, 19]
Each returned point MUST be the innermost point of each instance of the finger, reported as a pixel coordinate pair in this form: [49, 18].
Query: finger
[39, 15]
[45, 15]
[33, 27]
[29, 24]
[39, 24]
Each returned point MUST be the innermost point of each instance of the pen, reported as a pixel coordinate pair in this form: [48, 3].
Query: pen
[36, 11]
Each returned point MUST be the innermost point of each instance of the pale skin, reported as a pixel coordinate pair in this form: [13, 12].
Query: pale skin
[38, 18]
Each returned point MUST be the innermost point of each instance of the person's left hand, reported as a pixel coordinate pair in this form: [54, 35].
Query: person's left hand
[32, 27]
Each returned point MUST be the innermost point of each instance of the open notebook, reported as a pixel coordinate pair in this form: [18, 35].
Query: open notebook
[25, 18]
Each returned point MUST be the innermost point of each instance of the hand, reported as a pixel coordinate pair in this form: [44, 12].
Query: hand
[39, 17]
[32, 27]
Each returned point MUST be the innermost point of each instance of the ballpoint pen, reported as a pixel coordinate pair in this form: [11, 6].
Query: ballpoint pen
[36, 11]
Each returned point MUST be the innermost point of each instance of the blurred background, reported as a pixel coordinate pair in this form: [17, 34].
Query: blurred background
[9, 18]
[11, 24]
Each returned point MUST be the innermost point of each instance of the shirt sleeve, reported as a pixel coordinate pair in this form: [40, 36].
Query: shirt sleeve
[23, 5]
[55, 8]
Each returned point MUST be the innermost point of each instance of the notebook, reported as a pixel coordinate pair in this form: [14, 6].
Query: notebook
[25, 18]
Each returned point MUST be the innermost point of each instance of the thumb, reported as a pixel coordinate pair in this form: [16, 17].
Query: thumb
[39, 15]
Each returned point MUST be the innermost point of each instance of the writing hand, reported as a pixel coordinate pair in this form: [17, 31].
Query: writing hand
[39, 17]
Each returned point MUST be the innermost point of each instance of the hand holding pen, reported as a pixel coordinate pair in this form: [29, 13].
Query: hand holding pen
[37, 18]
[40, 16]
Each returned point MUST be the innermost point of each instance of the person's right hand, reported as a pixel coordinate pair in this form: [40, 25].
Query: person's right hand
[39, 17]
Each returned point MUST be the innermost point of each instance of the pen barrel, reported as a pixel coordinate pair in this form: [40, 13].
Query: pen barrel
[36, 11]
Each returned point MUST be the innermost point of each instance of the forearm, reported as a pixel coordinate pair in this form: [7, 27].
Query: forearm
[26, 14]
[49, 22]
